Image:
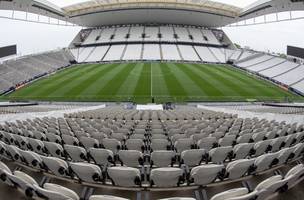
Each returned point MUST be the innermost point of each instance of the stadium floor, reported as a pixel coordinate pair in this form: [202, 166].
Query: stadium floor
[147, 82]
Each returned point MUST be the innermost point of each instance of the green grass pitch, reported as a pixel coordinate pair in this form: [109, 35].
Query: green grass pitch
[140, 82]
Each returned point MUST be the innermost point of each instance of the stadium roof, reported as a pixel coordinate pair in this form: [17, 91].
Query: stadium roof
[94, 13]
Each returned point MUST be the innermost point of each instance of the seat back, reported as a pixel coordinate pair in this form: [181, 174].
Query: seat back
[166, 177]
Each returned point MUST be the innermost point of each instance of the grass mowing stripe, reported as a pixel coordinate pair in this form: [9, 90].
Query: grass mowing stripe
[144, 87]
[202, 82]
[175, 88]
[113, 85]
[249, 92]
[102, 82]
[51, 88]
[159, 85]
[36, 86]
[67, 72]
[89, 79]
[170, 82]
[61, 92]
[131, 81]
[187, 82]
[252, 83]
[218, 80]
[98, 81]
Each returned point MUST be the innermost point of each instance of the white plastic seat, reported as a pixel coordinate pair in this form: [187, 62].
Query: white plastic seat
[3, 149]
[245, 138]
[52, 130]
[227, 141]
[112, 144]
[125, 176]
[54, 149]
[159, 136]
[176, 137]
[21, 142]
[162, 158]
[183, 144]
[4, 170]
[87, 172]
[70, 140]
[7, 137]
[31, 159]
[135, 144]
[53, 138]
[125, 131]
[269, 186]
[205, 174]
[38, 135]
[242, 150]
[178, 198]
[234, 194]
[88, 142]
[174, 131]
[53, 191]
[277, 143]
[138, 136]
[207, 143]
[266, 161]
[140, 130]
[131, 158]
[56, 166]
[77, 154]
[36, 145]
[199, 136]
[299, 136]
[220, 154]
[66, 131]
[166, 177]
[284, 155]
[159, 144]
[290, 140]
[271, 134]
[261, 147]
[14, 153]
[298, 150]
[239, 168]
[218, 134]
[23, 182]
[102, 157]
[106, 197]
[98, 136]
[193, 157]
[294, 175]
[259, 136]
[121, 137]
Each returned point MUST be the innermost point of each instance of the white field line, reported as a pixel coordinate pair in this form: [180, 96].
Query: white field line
[151, 80]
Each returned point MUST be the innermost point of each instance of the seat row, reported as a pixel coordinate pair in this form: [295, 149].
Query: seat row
[164, 176]
[267, 188]
[264, 190]
[181, 113]
[139, 141]
[135, 150]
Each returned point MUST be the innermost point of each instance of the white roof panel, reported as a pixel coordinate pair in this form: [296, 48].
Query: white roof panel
[94, 13]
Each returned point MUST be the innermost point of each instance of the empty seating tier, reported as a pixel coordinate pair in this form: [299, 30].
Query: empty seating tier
[15, 73]
[128, 149]
[154, 42]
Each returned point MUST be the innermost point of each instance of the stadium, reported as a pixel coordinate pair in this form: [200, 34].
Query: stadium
[151, 100]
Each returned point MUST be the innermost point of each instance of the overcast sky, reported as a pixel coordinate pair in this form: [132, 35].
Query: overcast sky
[34, 38]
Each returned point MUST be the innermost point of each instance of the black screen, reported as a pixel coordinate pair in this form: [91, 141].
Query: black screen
[295, 51]
[8, 51]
